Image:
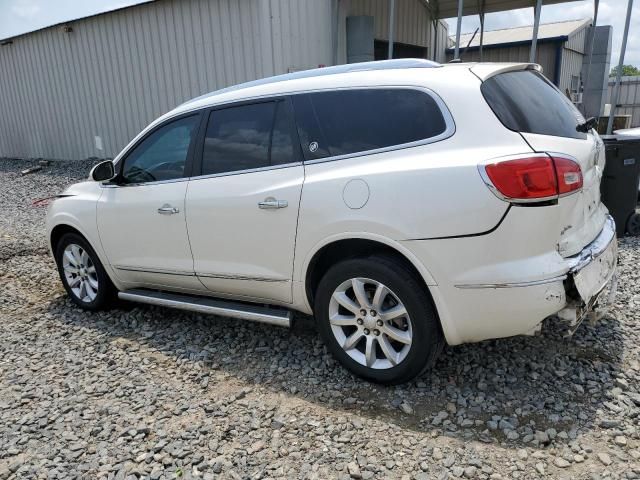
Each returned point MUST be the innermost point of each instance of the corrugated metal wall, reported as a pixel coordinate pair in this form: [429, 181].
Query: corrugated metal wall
[628, 98]
[577, 40]
[441, 43]
[572, 58]
[571, 65]
[412, 20]
[118, 71]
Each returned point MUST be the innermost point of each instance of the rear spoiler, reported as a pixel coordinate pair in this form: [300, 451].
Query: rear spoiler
[485, 71]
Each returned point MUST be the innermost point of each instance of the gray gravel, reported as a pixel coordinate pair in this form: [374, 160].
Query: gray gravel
[143, 392]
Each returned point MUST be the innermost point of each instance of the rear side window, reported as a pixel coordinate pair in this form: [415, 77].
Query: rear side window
[248, 136]
[345, 122]
[525, 101]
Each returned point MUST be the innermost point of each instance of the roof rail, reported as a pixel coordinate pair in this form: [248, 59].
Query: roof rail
[319, 72]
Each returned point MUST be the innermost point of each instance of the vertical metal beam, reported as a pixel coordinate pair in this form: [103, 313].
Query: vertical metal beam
[392, 21]
[596, 4]
[456, 54]
[536, 24]
[434, 24]
[481, 15]
[616, 88]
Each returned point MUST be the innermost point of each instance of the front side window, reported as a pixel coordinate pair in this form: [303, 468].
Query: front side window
[246, 137]
[162, 155]
[344, 122]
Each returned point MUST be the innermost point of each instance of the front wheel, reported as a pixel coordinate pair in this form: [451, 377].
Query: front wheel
[82, 274]
[377, 319]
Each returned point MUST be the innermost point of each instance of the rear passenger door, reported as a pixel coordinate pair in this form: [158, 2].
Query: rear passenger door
[242, 204]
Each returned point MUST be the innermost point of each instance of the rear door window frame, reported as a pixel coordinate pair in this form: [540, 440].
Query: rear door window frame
[207, 115]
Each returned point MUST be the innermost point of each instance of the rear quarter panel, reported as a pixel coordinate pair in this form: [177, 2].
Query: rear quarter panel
[423, 192]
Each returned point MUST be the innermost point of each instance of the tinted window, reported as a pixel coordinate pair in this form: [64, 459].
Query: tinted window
[525, 101]
[248, 136]
[162, 154]
[350, 121]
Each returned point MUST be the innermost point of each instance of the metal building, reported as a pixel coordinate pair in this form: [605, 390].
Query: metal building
[85, 88]
[560, 48]
[628, 100]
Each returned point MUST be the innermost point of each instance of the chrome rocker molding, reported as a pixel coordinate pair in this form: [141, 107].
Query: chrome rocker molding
[224, 308]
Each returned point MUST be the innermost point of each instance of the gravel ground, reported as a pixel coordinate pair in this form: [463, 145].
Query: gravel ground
[144, 392]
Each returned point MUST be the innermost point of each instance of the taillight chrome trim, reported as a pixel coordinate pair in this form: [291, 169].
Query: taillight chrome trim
[487, 181]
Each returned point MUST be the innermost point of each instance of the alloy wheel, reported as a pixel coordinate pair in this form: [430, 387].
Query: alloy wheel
[80, 273]
[370, 323]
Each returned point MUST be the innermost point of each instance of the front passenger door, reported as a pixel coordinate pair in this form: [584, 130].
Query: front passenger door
[141, 216]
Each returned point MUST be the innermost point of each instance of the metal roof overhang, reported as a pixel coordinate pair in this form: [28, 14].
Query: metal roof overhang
[449, 8]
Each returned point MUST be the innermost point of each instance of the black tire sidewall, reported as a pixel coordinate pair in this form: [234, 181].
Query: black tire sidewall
[427, 335]
[105, 287]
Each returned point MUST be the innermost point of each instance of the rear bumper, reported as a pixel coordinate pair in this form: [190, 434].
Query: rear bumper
[472, 312]
[595, 265]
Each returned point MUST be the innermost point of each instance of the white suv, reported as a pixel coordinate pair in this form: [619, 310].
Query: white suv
[402, 203]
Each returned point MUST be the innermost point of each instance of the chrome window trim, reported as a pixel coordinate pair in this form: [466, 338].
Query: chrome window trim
[448, 118]
[144, 184]
[204, 177]
[248, 170]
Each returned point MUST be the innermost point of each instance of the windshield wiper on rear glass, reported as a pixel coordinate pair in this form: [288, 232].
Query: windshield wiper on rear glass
[587, 125]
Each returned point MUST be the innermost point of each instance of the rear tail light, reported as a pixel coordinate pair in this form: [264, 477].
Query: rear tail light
[533, 178]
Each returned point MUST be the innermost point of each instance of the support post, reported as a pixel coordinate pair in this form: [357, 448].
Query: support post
[481, 36]
[616, 87]
[596, 4]
[392, 21]
[434, 24]
[456, 54]
[481, 18]
[536, 24]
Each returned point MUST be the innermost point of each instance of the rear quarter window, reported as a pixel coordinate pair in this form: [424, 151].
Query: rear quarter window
[525, 101]
[344, 122]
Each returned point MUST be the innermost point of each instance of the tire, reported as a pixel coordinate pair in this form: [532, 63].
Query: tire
[93, 289]
[380, 329]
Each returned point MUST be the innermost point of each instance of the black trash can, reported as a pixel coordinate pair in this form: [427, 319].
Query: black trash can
[619, 187]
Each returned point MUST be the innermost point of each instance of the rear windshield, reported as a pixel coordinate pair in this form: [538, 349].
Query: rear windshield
[525, 101]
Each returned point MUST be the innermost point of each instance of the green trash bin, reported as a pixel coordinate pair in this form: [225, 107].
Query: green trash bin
[619, 187]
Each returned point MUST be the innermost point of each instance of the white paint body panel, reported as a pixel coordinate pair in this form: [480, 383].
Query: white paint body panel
[492, 270]
[142, 245]
[238, 248]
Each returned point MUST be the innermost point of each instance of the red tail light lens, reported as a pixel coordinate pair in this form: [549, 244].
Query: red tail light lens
[533, 178]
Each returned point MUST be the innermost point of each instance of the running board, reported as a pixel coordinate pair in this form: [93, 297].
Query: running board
[224, 308]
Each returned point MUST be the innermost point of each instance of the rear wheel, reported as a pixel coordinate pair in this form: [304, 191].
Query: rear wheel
[377, 319]
[82, 274]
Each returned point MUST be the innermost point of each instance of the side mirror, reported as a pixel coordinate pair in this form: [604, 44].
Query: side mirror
[103, 171]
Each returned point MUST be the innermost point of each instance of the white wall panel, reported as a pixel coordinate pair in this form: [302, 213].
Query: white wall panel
[118, 71]
[412, 20]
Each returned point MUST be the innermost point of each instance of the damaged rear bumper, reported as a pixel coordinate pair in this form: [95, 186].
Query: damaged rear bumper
[591, 273]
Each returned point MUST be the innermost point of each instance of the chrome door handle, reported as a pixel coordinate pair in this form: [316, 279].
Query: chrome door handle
[269, 203]
[167, 209]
